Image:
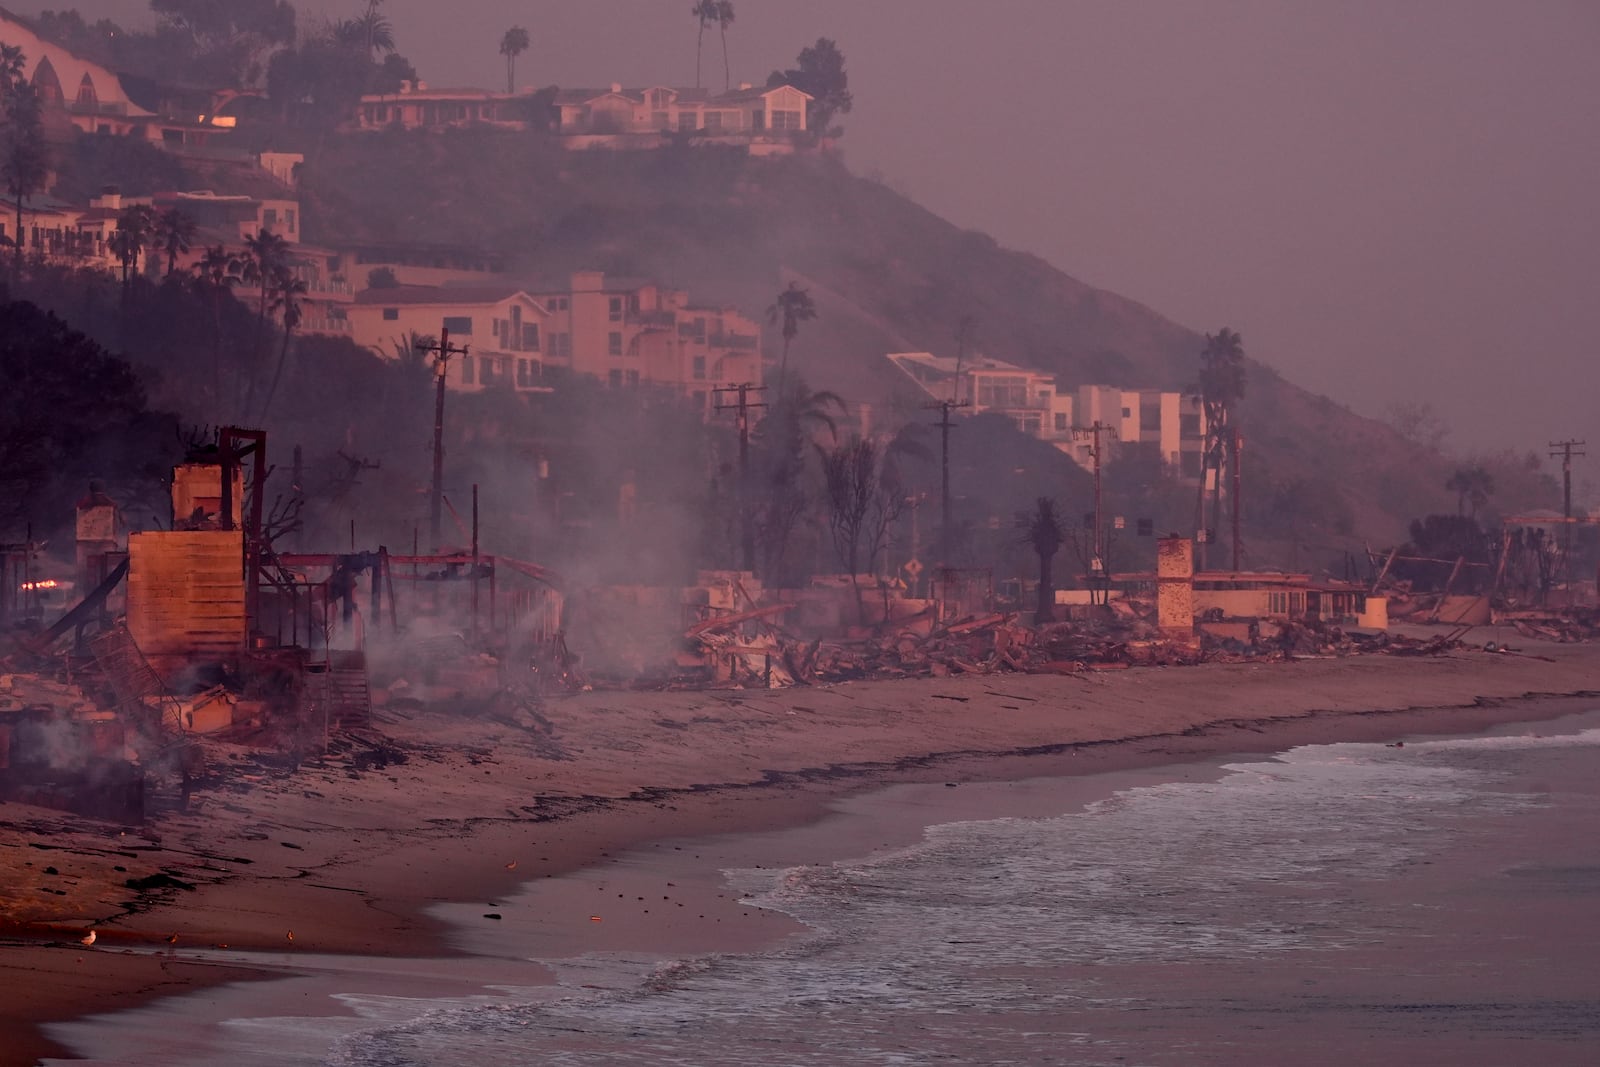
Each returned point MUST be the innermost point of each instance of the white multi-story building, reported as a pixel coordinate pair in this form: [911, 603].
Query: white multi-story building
[1169, 424]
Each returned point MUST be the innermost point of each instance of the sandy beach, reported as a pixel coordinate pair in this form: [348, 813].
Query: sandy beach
[341, 857]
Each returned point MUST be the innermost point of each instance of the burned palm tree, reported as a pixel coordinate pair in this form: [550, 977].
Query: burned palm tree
[1042, 530]
[792, 307]
[1220, 389]
[287, 291]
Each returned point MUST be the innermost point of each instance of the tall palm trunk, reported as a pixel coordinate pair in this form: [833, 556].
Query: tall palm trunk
[216, 349]
[261, 350]
[1046, 611]
[1206, 456]
[277, 374]
[727, 76]
[699, 44]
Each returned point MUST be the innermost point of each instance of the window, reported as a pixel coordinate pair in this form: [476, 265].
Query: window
[633, 377]
[1127, 413]
[460, 325]
[1189, 425]
[1061, 422]
[522, 372]
[616, 309]
[1002, 392]
[713, 120]
[288, 216]
[786, 120]
[614, 343]
[466, 370]
[615, 379]
[699, 368]
[269, 218]
[561, 345]
[485, 369]
[687, 120]
[390, 314]
[660, 120]
[530, 336]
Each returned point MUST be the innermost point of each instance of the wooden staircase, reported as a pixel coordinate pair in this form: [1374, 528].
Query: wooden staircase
[140, 693]
[338, 689]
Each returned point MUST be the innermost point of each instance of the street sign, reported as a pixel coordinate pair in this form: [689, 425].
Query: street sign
[913, 568]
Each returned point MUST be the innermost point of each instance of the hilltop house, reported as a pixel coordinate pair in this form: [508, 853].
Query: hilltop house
[625, 333]
[759, 119]
[416, 106]
[611, 117]
[1170, 425]
[82, 93]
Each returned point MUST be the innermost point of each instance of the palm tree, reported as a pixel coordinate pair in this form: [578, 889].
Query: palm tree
[266, 254]
[287, 291]
[175, 232]
[1042, 529]
[1472, 485]
[134, 233]
[513, 44]
[724, 17]
[792, 307]
[24, 157]
[370, 32]
[1221, 388]
[215, 276]
[705, 12]
[775, 491]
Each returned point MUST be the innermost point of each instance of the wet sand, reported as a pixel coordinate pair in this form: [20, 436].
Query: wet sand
[352, 861]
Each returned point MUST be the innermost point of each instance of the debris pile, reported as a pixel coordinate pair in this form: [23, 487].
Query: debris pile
[1566, 627]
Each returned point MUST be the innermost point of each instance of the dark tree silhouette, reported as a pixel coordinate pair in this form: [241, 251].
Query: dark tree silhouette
[1472, 485]
[1041, 529]
[70, 411]
[1220, 389]
[174, 235]
[819, 70]
[792, 307]
[24, 157]
[513, 44]
[705, 14]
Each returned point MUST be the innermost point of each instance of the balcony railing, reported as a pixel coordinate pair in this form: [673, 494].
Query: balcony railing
[743, 341]
[321, 324]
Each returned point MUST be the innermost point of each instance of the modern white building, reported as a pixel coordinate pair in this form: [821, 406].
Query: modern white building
[1169, 424]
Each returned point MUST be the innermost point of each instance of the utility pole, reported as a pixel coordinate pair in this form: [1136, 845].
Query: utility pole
[944, 407]
[441, 363]
[1098, 560]
[1566, 453]
[747, 531]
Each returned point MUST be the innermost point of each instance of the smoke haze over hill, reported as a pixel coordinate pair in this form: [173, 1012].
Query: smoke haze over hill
[1389, 204]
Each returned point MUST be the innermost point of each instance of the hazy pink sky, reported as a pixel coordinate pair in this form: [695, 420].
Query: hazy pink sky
[1390, 201]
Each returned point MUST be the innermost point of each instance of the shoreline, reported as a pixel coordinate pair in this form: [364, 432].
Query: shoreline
[364, 884]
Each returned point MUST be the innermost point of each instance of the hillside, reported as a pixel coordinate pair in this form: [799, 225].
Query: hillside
[887, 275]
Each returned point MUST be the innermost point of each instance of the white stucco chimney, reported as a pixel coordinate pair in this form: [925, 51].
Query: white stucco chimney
[616, 87]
